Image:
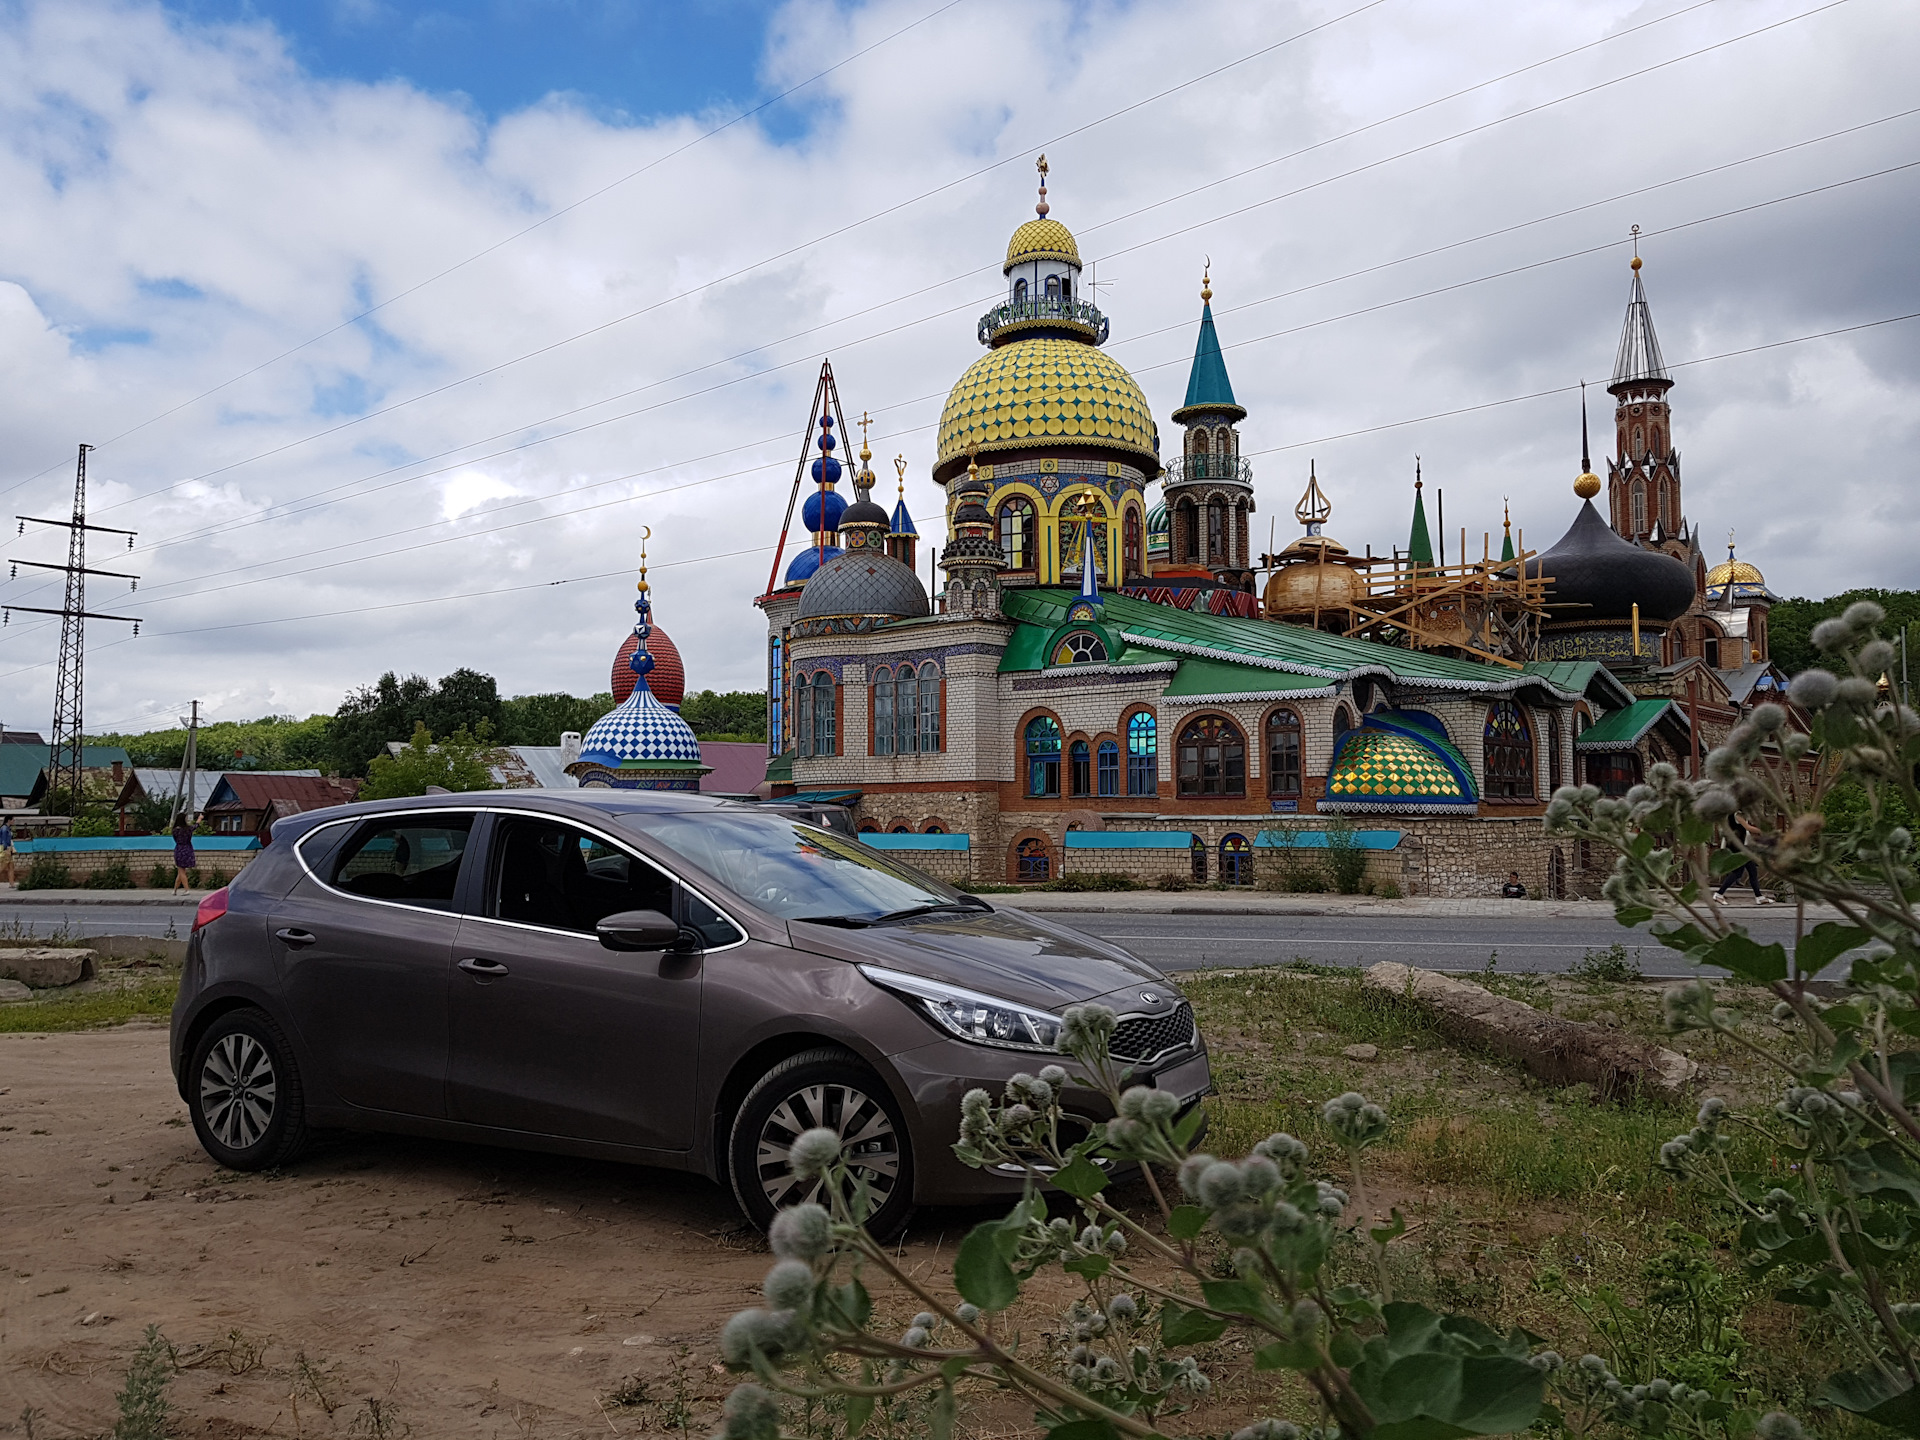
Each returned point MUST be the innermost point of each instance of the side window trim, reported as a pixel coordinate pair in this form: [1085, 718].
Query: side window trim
[462, 887]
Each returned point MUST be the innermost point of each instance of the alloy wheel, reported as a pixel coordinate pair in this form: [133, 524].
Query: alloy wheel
[867, 1138]
[238, 1088]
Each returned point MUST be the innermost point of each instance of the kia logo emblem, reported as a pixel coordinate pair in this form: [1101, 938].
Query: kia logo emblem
[1149, 997]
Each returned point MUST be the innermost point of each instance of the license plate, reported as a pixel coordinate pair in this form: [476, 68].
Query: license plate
[1189, 1080]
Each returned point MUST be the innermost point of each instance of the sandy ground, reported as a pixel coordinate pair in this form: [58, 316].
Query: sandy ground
[434, 1289]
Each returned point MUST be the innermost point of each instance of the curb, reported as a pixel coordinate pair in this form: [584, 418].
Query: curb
[102, 897]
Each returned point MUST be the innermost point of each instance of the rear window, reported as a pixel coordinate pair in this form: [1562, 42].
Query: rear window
[414, 859]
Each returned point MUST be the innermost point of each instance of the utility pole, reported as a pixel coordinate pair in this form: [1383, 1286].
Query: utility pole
[183, 798]
[65, 752]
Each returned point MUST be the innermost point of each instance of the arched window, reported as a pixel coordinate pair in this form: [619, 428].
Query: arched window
[906, 713]
[1236, 860]
[1216, 530]
[1130, 543]
[1082, 647]
[1188, 529]
[1143, 755]
[1030, 860]
[1016, 532]
[1198, 850]
[1053, 287]
[1020, 292]
[936, 828]
[1109, 767]
[1554, 780]
[883, 694]
[1079, 768]
[825, 738]
[929, 707]
[1213, 758]
[1638, 507]
[1197, 442]
[1066, 287]
[1283, 753]
[867, 827]
[1509, 752]
[903, 830]
[1043, 756]
[1639, 442]
[1342, 720]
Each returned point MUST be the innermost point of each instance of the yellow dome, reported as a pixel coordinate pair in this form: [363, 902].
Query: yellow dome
[1034, 391]
[1041, 240]
[1738, 571]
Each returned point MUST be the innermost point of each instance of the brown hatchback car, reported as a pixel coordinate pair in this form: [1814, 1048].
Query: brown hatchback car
[648, 977]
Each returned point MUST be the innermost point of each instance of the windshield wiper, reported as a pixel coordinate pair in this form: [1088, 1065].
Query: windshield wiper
[913, 910]
[845, 922]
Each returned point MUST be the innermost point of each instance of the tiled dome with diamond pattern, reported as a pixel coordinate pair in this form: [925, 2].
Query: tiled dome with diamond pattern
[1389, 769]
[636, 731]
[1033, 391]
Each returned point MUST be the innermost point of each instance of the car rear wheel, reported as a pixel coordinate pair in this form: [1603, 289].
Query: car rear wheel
[244, 1093]
[822, 1089]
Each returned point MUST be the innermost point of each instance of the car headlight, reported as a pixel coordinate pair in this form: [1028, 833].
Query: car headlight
[970, 1015]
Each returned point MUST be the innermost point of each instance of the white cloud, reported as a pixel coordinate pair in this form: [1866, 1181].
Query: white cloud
[185, 203]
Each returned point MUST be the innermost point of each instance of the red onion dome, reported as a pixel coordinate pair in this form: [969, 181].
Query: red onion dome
[668, 678]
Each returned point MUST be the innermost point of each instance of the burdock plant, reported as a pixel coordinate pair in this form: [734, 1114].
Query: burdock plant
[1833, 1223]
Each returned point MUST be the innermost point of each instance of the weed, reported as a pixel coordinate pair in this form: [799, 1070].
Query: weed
[46, 873]
[114, 875]
[236, 1354]
[677, 1413]
[377, 1419]
[628, 1393]
[142, 1401]
[1171, 883]
[1612, 965]
[1097, 880]
[1387, 890]
[308, 1377]
[150, 999]
[1346, 861]
[160, 877]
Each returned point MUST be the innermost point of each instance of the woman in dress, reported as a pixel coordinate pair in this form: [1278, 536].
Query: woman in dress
[183, 858]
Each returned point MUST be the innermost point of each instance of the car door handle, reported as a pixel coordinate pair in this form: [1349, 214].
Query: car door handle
[298, 939]
[485, 969]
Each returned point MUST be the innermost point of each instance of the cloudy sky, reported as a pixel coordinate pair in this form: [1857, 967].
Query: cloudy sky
[395, 323]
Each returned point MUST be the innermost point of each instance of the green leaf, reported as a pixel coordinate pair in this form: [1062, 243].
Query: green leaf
[1725, 862]
[1186, 1221]
[1888, 1400]
[1695, 831]
[859, 1411]
[1286, 1355]
[1344, 1347]
[1083, 1430]
[1825, 943]
[1688, 939]
[940, 1414]
[1237, 1296]
[1631, 915]
[1746, 957]
[980, 1271]
[1642, 845]
[1092, 1267]
[1387, 1234]
[1188, 1127]
[854, 1303]
[1188, 1327]
[1080, 1178]
[1882, 1169]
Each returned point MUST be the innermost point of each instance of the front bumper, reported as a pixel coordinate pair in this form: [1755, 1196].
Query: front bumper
[933, 1077]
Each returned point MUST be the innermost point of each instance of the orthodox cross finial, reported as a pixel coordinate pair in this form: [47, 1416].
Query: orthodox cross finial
[1041, 165]
[1635, 232]
[1314, 507]
[1206, 281]
[865, 421]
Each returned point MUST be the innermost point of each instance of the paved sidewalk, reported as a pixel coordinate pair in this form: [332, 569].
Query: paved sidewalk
[1222, 902]
[12, 895]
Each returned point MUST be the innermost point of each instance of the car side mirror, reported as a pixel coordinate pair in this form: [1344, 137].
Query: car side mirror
[638, 930]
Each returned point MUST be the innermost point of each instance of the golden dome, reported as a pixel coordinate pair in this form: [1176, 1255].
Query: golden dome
[1738, 571]
[1305, 586]
[1041, 240]
[1030, 392]
[1586, 485]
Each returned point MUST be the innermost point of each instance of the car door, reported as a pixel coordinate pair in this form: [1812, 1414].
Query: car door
[366, 954]
[554, 1034]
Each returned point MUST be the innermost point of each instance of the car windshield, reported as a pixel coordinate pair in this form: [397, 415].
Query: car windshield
[798, 871]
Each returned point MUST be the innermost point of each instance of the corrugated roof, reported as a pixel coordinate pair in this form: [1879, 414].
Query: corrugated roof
[256, 789]
[1266, 644]
[1623, 728]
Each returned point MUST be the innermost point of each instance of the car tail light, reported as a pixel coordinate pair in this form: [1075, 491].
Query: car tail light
[211, 908]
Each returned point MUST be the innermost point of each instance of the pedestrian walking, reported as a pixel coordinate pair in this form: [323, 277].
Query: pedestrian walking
[1749, 869]
[183, 857]
[6, 852]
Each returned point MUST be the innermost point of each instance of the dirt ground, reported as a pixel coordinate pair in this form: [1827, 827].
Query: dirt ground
[435, 1289]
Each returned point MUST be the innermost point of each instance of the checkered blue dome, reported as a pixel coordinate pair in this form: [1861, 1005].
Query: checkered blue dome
[636, 731]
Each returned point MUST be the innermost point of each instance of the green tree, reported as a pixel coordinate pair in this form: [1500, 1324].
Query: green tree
[714, 714]
[374, 714]
[1790, 625]
[464, 698]
[543, 719]
[456, 763]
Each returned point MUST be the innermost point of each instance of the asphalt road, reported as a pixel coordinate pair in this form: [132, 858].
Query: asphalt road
[1184, 942]
[1174, 942]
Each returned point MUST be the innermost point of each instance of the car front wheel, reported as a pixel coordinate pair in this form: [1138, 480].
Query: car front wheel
[813, 1090]
[244, 1093]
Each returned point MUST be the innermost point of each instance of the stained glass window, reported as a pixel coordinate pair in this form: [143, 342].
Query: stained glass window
[1509, 752]
[1080, 648]
[1143, 755]
[1016, 533]
[1236, 860]
[1043, 756]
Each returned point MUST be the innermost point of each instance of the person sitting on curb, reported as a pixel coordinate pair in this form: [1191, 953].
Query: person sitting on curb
[1749, 869]
[1513, 889]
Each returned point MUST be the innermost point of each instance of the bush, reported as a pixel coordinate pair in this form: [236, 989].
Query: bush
[1172, 883]
[1346, 861]
[160, 877]
[44, 872]
[114, 875]
[90, 827]
[1612, 965]
[1387, 890]
[1097, 880]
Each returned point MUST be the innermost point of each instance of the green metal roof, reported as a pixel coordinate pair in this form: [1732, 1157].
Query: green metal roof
[1217, 677]
[1207, 384]
[1623, 728]
[20, 765]
[1259, 644]
[1579, 677]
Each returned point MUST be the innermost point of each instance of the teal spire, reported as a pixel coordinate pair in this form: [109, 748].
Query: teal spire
[1506, 524]
[1208, 387]
[1419, 542]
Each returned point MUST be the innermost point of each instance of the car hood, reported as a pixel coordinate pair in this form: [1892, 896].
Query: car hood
[1003, 953]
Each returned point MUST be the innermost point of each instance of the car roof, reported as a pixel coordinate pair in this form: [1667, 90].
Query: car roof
[591, 800]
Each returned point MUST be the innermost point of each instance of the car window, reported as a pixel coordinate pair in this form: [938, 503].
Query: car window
[713, 928]
[411, 858]
[790, 869]
[555, 875]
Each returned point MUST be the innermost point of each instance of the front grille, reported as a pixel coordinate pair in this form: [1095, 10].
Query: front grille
[1141, 1037]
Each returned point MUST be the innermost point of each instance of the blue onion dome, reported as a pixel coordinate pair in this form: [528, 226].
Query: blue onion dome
[865, 585]
[806, 561]
[823, 511]
[826, 467]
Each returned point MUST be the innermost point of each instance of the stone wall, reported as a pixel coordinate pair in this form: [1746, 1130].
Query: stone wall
[216, 866]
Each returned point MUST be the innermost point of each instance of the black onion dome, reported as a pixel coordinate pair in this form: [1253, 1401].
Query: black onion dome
[865, 512]
[863, 583]
[1593, 568]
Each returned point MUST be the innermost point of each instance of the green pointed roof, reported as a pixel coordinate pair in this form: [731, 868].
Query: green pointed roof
[1208, 387]
[1506, 547]
[1419, 542]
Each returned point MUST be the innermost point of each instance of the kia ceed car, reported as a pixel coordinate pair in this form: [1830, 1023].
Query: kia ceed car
[649, 977]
